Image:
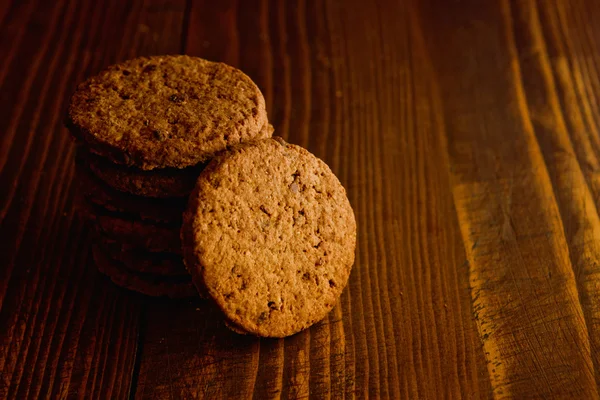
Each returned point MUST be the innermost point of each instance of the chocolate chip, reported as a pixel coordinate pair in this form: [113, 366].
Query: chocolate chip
[158, 135]
[262, 317]
[264, 209]
[176, 99]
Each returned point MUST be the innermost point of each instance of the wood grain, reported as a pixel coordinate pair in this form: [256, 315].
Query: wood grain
[365, 346]
[66, 330]
[520, 271]
[467, 134]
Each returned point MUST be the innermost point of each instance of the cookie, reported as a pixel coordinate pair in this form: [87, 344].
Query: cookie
[159, 183]
[98, 193]
[166, 111]
[139, 260]
[135, 233]
[270, 235]
[147, 284]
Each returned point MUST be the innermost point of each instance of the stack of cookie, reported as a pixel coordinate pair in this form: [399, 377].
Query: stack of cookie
[146, 128]
[177, 163]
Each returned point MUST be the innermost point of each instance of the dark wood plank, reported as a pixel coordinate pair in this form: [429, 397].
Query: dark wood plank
[515, 187]
[404, 327]
[66, 330]
[466, 134]
[564, 114]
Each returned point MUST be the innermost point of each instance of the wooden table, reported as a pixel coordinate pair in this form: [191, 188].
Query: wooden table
[467, 134]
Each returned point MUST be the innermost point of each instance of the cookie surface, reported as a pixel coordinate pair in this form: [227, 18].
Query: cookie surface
[143, 283]
[168, 211]
[270, 235]
[166, 111]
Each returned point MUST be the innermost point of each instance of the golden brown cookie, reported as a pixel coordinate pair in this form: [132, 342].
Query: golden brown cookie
[98, 193]
[166, 111]
[139, 260]
[270, 235]
[148, 284]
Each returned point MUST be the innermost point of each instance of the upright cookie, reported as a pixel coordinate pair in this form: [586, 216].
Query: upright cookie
[166, 111]
[270, 235]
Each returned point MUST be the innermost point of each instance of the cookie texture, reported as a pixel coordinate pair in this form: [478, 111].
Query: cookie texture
[166, 111]
[160, 183]
[98, 193]
[270, 235]
[147, 284]
[139, 260]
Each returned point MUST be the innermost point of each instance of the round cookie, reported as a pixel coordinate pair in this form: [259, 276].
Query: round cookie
[270, 235]
[139, 260]
[160, 183]
[147, 284]
[98, 193]
[166, 111]
[153, 238]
